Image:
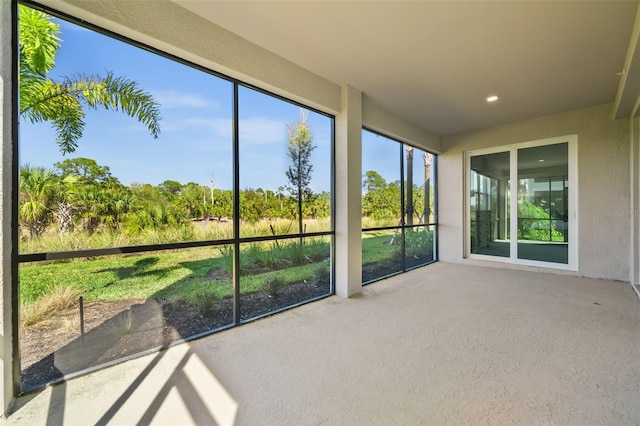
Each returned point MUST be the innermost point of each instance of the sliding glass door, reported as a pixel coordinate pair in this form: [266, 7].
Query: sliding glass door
[543, 203]
[539, 227]
[489, 204]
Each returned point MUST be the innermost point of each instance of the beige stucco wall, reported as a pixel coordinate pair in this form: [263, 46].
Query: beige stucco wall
[634, 205]
[6, 175]
[603, 192]
[348, 172]
[375, 118]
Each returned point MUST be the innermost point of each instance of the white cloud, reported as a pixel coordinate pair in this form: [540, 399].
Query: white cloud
[252, 130]
[185, 125]
[262, 131]
[220, 127]
[174, 99]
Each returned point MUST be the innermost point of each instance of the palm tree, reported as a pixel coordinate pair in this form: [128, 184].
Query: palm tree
[62, 102]
[91, 203]
[38, 188]
[65, 209]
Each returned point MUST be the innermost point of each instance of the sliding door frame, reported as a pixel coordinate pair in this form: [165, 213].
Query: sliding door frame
[512, 149]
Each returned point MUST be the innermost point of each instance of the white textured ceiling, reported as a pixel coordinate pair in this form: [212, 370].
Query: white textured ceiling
[433, 63]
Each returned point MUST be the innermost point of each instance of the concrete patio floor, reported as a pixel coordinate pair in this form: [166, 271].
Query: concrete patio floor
[445, 344]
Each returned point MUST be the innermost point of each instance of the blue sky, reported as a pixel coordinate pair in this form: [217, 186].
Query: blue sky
[383, 155]
[195, 142]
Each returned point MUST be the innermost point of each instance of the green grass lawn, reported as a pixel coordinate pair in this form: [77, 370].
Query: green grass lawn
[192, 275]
[184, 274]
[119, 277]
[376, 247]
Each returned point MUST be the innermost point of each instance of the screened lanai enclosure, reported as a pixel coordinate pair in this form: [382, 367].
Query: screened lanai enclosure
[132, 242]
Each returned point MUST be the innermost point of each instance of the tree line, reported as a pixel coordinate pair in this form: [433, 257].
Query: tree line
[381, 200]
[79, 194]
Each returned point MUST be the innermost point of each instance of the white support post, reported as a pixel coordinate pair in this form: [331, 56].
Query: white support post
[348, 194]
[7, 8]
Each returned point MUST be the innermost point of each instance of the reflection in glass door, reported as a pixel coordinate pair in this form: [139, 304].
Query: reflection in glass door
[489, 204]
[539, 227]
[543, 214]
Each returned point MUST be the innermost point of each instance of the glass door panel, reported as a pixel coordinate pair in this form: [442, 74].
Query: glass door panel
[489, 204]
[543, 183]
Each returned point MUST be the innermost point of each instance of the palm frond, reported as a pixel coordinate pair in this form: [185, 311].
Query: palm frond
[118, 93]
[39, 42]
[54, 102]
[61, 103]
[42, 99]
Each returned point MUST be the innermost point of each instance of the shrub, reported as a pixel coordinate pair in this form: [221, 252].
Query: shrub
[322, 275]
[206, 304]
[418, 243]
[316, 249]
[226, 258]
[204, 301]
[273, 285]
[259, 257]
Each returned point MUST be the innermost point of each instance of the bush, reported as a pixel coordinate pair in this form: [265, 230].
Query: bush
[260, 257]
[322, 275]
[204, 301]
[418, 243]
[226, 257]
[273, 285]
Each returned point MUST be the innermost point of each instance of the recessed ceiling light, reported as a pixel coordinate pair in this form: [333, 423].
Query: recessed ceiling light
[541, 160]
[492, 98]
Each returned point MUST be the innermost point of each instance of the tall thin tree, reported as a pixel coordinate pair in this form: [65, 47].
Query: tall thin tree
[299, 151]
[427, 157]
[409, 207]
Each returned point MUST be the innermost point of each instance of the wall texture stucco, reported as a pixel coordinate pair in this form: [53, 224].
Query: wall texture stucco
[348, 206]
[634, 205]
[603, 179]
[374, 118]
[7, 315]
